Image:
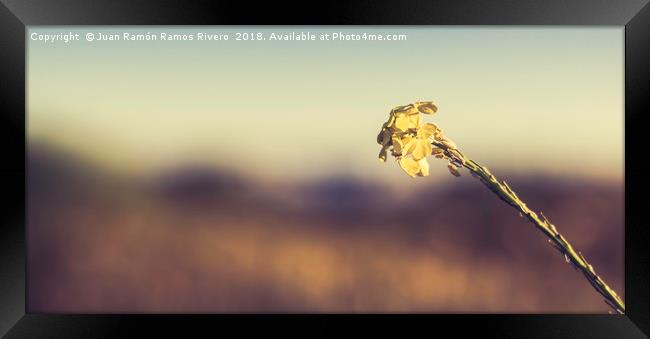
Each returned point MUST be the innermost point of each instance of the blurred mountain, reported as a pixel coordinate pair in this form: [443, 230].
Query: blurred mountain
[198, 185]
[343, 198]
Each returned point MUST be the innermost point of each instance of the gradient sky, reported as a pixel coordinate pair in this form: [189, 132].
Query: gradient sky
[526, 99]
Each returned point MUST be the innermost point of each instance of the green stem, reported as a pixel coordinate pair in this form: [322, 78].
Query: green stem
[505, 193]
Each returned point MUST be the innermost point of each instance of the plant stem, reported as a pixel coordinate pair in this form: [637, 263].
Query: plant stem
[505, 193]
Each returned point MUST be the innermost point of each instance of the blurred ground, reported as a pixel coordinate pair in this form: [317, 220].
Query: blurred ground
[200, 240]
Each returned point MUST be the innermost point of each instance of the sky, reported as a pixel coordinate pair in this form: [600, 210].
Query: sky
[521, 99]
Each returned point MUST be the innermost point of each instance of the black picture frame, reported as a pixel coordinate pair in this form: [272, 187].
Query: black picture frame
[16, 15]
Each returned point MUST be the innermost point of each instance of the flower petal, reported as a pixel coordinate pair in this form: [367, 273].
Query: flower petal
[398, 145]
[402, 122]
[390, 122]
[403, 108]
[424, 167]
[405, 121]
[383, 138]
[382, 154]
[427, 130]
[410, 166]
[414, 120]
[421, 149]
[408, 145]
[426, 107]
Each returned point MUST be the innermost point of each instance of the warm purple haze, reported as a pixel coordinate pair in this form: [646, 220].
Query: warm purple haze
[198, 240]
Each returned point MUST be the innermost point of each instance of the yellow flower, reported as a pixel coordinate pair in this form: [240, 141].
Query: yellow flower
[411, 141]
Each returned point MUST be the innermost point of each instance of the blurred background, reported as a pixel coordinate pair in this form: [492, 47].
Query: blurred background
[242, 176]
